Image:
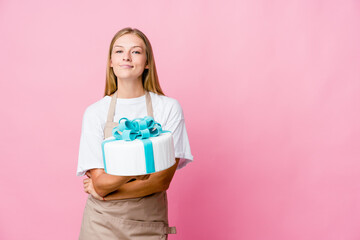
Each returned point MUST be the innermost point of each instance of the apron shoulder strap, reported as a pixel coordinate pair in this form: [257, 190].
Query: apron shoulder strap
[149, 106]
[110, 124]
[111, 113]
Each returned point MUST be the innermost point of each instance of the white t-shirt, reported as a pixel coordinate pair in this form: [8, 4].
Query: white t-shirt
[167, 111]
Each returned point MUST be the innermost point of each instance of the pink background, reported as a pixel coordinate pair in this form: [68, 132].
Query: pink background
[270, 92]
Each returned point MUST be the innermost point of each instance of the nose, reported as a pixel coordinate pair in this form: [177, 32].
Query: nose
[126, 56]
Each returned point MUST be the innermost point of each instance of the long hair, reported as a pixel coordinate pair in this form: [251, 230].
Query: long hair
[150, 79]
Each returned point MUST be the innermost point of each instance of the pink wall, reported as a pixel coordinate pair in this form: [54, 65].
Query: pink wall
[270, 92]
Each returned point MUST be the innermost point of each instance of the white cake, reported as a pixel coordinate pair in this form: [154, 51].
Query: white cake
[127, 158]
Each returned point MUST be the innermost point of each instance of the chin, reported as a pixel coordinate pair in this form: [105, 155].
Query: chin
[125, 76]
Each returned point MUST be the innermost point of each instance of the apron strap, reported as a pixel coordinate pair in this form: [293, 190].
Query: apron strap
[149, 107]
[110, 124]
[111, 112]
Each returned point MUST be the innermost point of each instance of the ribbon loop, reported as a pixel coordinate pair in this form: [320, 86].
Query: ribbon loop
[139, 128]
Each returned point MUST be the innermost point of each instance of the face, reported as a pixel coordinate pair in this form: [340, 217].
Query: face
[128, 57]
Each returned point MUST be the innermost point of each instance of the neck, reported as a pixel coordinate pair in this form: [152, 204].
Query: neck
[130, 88]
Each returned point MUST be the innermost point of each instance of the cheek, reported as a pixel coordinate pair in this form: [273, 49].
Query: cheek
[113, 60]
[142, 59]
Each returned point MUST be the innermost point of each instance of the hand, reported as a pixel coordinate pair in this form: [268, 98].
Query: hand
[89, 188]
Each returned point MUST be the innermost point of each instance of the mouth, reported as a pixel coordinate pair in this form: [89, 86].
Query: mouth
[126, 66]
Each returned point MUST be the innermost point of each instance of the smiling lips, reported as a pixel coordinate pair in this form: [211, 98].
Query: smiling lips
[126, 66]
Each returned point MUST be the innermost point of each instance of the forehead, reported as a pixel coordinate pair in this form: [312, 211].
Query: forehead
[129, 40]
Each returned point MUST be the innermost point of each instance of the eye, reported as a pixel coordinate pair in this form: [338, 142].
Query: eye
[120, 51]
[137, 52]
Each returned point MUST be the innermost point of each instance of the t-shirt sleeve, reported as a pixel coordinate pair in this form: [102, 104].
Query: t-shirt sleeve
[176, 124]
[90, 153]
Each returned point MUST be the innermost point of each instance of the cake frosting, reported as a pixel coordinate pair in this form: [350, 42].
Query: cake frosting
[142, 154]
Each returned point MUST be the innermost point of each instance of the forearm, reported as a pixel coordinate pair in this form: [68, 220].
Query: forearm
[138, 188]
[106, 183]
[157, 182]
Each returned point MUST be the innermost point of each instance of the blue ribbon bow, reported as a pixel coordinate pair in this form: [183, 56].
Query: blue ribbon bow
[139, 128]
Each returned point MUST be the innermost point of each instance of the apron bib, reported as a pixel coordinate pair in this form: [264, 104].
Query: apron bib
[131, 219]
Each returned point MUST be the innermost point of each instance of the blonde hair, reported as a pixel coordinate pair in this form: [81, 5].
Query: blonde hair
[150, 79]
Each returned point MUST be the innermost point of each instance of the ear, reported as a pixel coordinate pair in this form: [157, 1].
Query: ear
[147, 66]
[111, 65]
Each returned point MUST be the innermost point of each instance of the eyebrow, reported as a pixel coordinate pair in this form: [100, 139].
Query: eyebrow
[131, 47]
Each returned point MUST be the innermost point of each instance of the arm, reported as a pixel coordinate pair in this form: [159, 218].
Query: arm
[157, 182]
[105, 183]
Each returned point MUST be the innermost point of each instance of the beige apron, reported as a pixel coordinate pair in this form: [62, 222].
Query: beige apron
[135, 218]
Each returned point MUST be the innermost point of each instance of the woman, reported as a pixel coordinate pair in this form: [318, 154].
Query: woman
[120, 207]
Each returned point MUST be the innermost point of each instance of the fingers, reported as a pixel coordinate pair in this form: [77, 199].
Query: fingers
[87, 185]
[86, 189]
